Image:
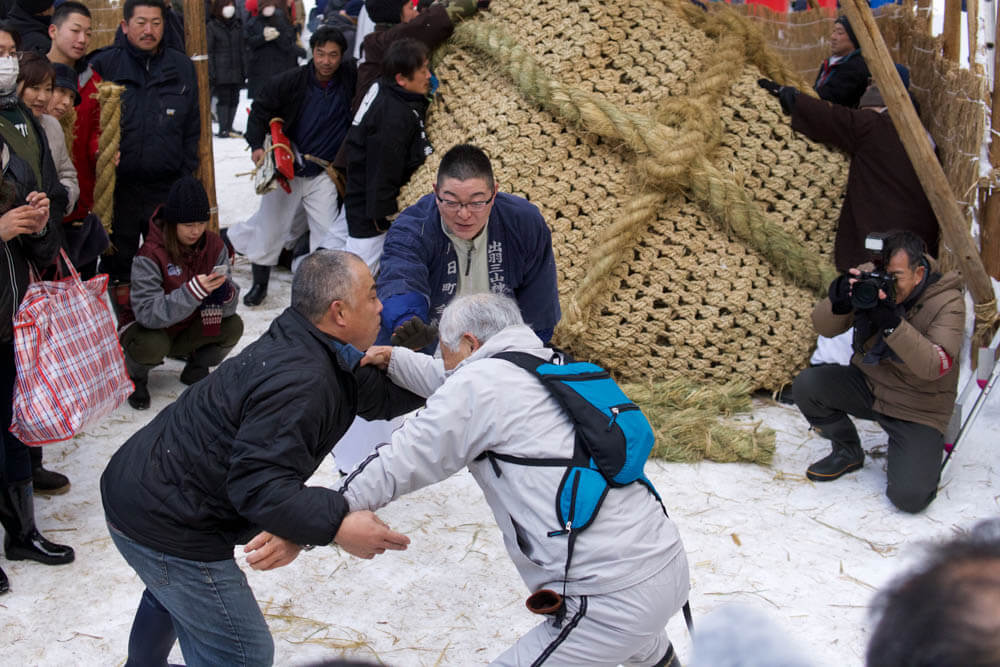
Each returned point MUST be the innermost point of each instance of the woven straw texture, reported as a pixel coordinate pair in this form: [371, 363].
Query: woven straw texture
[692, 228]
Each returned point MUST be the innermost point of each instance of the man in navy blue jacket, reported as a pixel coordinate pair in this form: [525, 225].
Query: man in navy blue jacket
[160, 125]
[314, 102]
[465, 238]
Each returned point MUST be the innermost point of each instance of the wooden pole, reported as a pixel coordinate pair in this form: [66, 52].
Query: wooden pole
[952, 32]
[972, 21]
[954, 231]
[991, 211]
[197, 49]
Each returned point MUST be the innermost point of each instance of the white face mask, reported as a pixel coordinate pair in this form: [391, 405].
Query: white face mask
[8, 74]
[267, 11]
[228, 11]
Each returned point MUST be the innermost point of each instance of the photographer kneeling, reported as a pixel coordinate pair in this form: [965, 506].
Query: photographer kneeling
[909, 322]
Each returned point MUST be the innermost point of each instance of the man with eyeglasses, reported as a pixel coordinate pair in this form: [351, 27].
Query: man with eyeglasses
[160, 127]
[465, 238]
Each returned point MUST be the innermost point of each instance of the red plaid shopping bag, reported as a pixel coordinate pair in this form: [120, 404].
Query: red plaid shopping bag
[70, 369]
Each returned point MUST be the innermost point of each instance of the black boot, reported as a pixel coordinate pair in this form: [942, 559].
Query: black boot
[202, 360]
[4, 582]
[139, 373]
[847, 455]
[669, 658]
[23, 541]
[46, 482]
[261, 274]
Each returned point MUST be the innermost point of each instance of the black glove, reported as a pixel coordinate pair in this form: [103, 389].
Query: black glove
[885, 317]
[840, 295]
[786, 94]
[414, 334]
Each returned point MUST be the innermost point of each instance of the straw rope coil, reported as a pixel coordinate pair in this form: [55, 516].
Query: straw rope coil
[110, 99]
[692, 228]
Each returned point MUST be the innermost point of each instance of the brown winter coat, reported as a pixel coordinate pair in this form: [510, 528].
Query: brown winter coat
[883, 191]
[914, 389]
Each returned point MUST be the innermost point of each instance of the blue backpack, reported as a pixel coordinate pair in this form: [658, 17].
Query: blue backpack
[613, 440]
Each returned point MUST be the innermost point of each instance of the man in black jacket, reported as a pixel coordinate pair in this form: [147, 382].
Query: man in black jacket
[160, 125]
[385, 145]
[314, 102]
[231, 457]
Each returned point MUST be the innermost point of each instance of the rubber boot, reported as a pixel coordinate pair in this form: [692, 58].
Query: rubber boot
[23, 541]
[46, 482]
[139, 373]
[847, 455]
[669, 658]
[4, 582]
[223, 113]
[202, 360]
[261, 274]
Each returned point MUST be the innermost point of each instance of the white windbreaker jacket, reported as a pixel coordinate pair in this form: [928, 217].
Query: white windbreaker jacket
[492, 405]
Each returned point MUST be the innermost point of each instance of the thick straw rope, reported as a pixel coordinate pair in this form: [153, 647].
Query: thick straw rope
[692, 228]
[109, 96]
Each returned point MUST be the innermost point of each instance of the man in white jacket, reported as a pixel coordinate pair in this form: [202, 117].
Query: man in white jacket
[629, 572]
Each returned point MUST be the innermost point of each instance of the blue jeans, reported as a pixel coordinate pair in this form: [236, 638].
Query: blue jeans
[209, 605]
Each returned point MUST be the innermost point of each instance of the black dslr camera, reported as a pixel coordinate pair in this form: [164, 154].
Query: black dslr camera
[864, 293]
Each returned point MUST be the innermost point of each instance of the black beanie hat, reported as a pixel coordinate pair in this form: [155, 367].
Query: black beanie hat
[187, 202]
[34, 6]
[385, 11]
[66, 78]
[842, 20]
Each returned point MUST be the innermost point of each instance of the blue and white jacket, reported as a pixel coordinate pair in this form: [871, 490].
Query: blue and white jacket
[419, 274]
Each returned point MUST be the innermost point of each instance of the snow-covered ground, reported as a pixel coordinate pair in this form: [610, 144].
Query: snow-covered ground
[809, 555]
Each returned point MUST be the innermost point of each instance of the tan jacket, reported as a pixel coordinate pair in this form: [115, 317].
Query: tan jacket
[922, 387]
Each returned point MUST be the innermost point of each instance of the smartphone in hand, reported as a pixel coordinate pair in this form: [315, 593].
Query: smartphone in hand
[220, 270]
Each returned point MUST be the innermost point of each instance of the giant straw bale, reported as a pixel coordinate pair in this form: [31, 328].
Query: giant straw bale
[692, 228]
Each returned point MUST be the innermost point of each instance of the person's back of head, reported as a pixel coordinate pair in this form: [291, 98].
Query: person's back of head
[483, 315]
[323, 277]
[388, 12]
[34, 7]
[464, 162]
[947, 610]
[404, 56]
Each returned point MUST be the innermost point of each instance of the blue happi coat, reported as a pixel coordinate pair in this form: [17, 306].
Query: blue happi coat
[419, 270]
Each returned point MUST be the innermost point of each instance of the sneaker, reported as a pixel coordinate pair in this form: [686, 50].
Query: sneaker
[837, 464]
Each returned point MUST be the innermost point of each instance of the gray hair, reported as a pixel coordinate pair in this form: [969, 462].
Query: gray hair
[323, 277]
[482, 315]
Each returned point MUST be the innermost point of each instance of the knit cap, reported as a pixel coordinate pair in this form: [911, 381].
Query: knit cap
[66, 78]
[842, 20]
[385, 11]
[187, 202]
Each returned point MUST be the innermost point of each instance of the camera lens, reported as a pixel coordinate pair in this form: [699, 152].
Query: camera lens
[864, 294]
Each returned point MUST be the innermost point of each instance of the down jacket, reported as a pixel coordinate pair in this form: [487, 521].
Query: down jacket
[18, 180]
[921, 386]
[161, 123]
[232, 455]
[225, 52]
[492, 405]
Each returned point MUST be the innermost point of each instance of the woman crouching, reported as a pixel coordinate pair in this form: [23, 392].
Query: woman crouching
[183, 303]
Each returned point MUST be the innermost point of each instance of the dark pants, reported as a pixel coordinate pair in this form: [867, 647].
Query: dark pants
[150, 346]
[827, 394]
[15, 461]
[227, 101]
[134, 204]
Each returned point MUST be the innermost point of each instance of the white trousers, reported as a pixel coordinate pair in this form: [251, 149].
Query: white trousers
[370, 250]
[625, 627]
[279, 220]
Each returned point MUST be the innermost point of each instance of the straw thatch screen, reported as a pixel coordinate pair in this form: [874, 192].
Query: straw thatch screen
[952, 100]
